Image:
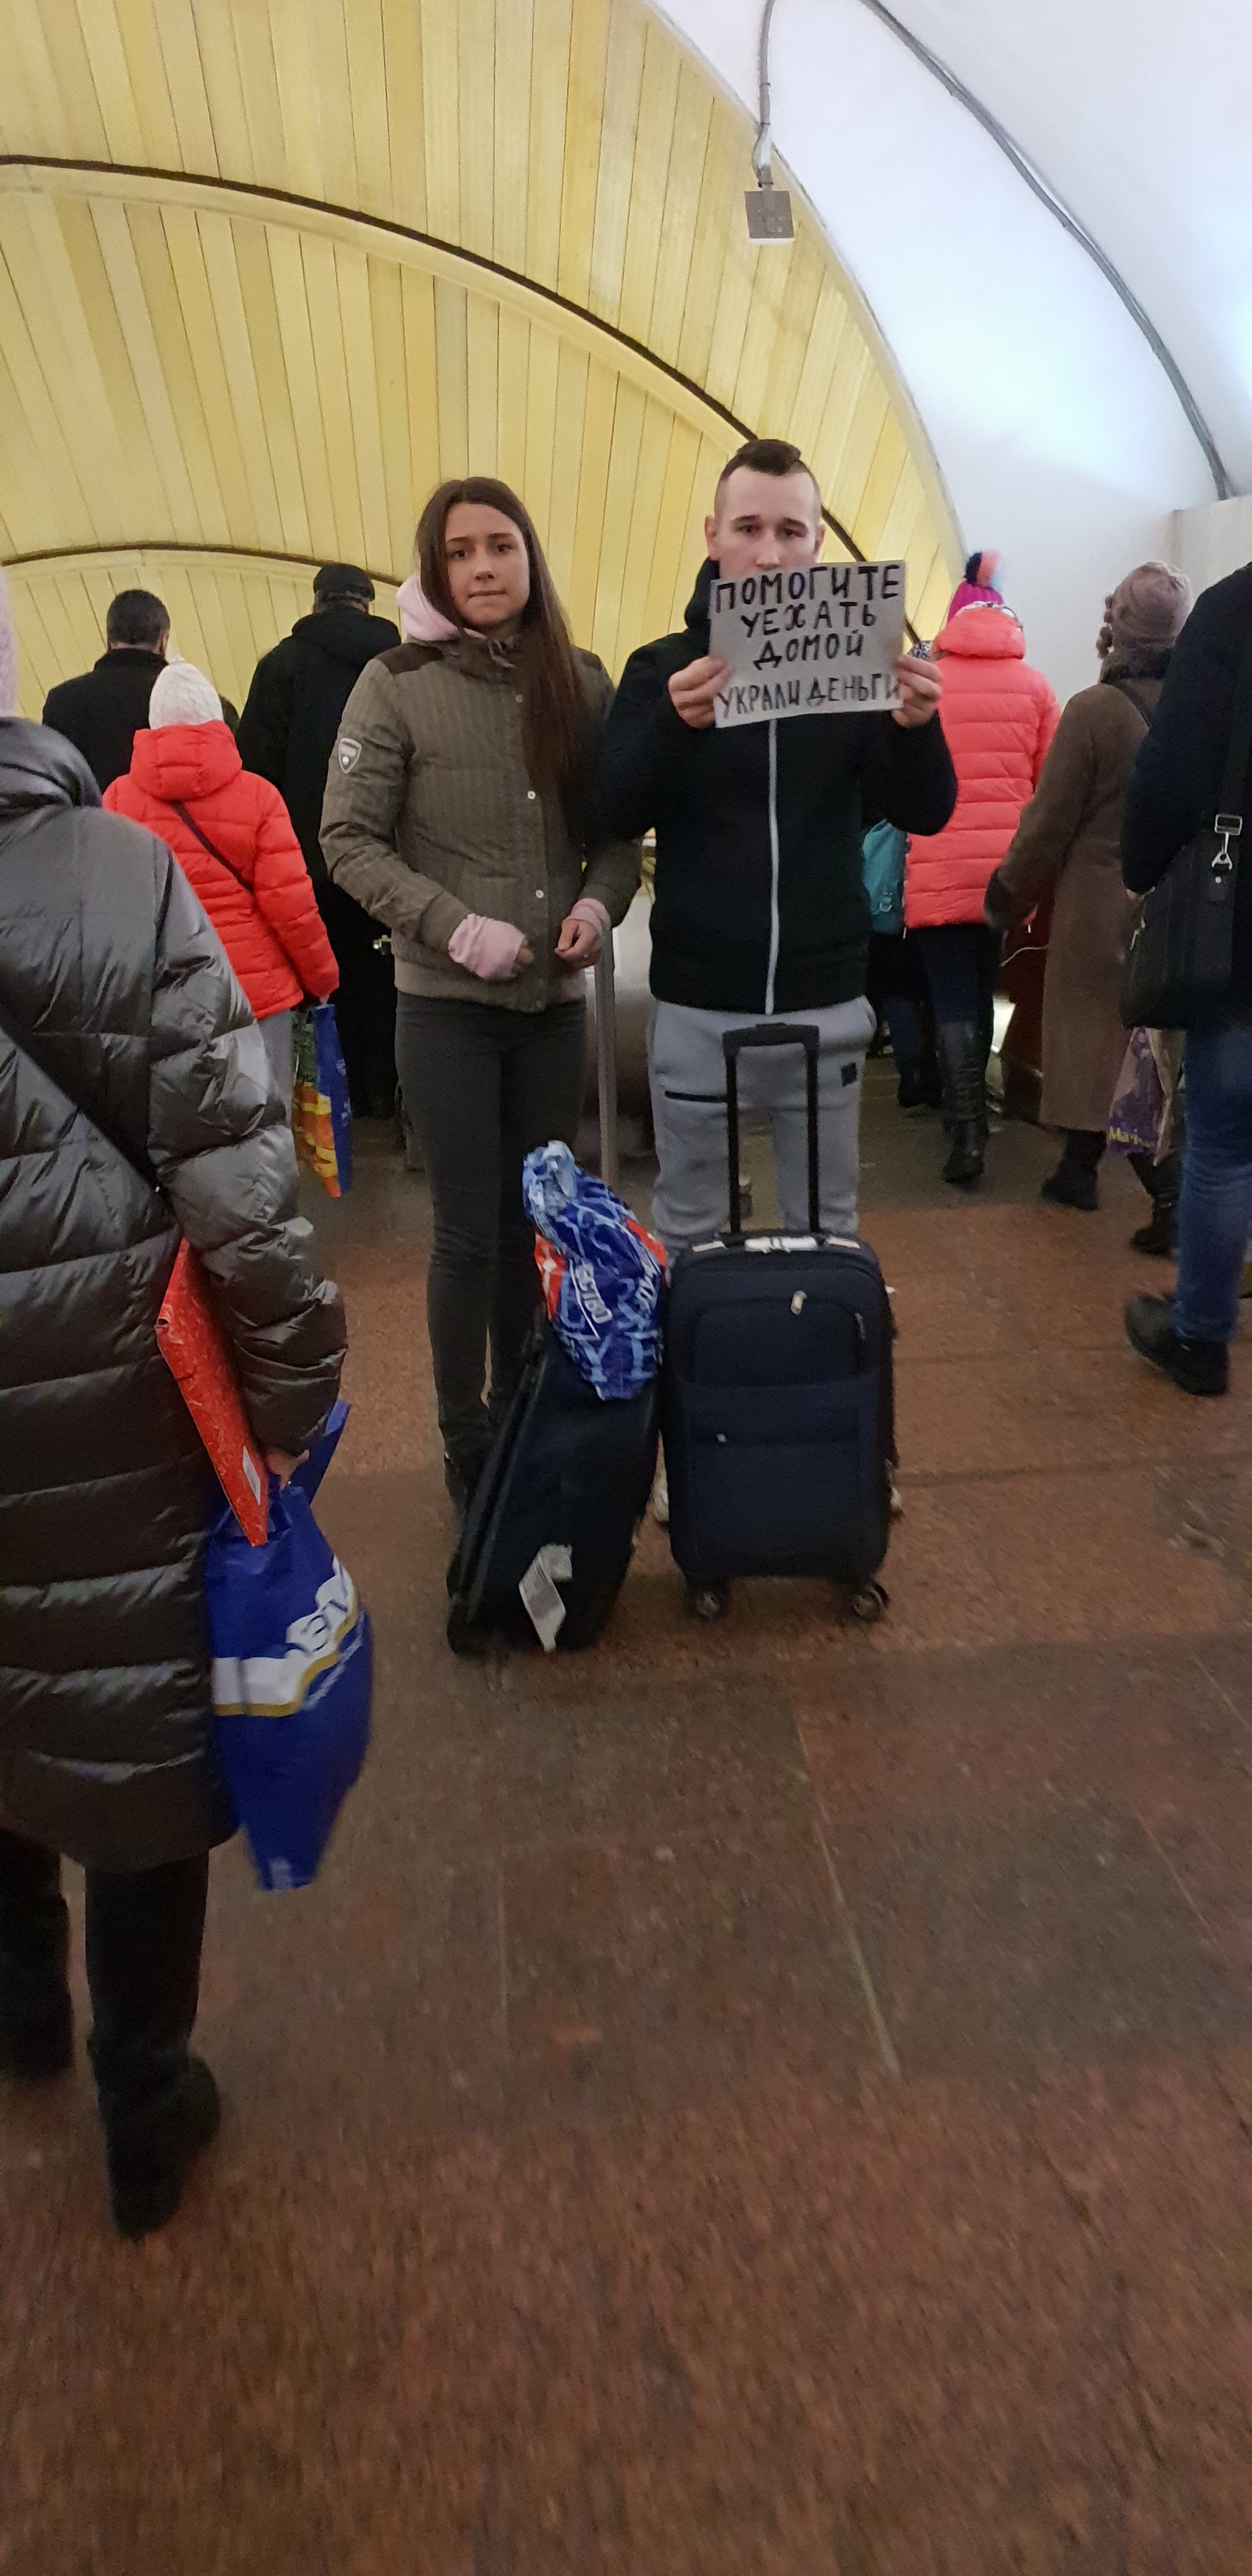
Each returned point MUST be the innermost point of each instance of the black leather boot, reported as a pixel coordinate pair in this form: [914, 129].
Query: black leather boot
[963, 1065]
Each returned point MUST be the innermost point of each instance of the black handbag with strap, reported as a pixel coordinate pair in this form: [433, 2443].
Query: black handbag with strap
[1180, 961]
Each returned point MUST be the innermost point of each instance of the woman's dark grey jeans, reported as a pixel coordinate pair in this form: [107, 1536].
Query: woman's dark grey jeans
[482, 1086]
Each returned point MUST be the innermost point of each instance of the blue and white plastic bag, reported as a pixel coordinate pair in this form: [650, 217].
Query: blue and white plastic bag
[603, 1274]
[291, 1674]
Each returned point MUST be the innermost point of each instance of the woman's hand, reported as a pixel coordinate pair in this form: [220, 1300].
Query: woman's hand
[693, 691]
[583, 932]
[283, 1465]
[920, 691]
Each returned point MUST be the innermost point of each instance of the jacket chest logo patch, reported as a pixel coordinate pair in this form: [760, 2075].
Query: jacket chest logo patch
[349, 753]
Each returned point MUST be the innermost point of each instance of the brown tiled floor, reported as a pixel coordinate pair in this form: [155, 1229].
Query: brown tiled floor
[774, 2101]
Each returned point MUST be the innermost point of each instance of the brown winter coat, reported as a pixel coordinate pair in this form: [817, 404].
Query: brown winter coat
[430, 815]
[1069, 839]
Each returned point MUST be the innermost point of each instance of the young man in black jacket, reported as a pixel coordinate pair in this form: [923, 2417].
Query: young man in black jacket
[760, 904]
[286, 734]
[103, 709]
[1175, 791]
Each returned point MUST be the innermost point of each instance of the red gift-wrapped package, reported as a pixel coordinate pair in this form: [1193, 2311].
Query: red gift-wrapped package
[191, 1342]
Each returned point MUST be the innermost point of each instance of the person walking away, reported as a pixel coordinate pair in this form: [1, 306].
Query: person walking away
[232, 837]
[1069, 839]
[1174, 793]
[760, 903]
[287, 734]
[102, 711]
[455, 813]
[999, 717]
[135, 1108]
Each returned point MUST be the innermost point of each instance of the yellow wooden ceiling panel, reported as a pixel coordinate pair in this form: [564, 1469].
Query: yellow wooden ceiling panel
[267, 375]
[265, 341]
[653, 154]
[549, 98]
[406, 112]
[482, 382]
[421, 379]
[580, 163]
[353, 275]
[300, 364]
[620, 138]
[511, 184]
[476, 82]
[567, 449]
[452, 379]
[110, 79]
[513, 397]
[187, 81]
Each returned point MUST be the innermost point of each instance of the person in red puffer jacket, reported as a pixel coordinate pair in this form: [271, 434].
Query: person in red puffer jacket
[231, 835]
[999, 717]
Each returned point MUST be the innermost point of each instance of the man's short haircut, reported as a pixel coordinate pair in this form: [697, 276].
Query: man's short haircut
[768, 456]
[137, 617]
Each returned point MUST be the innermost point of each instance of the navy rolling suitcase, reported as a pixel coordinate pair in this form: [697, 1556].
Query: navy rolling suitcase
[549, 1533]
[777, 1402]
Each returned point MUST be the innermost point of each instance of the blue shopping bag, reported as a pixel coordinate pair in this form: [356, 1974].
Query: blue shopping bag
[321, 1107]
[883, 851]
[291, 1674]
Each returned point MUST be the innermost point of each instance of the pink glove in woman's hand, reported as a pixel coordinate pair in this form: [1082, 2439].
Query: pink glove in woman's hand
[491, 949]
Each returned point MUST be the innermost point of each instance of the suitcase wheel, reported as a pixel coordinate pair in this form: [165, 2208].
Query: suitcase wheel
[708, 1600]
[869, 1604]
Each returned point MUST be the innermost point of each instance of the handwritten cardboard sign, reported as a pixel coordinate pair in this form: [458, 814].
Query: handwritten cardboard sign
[822, 639]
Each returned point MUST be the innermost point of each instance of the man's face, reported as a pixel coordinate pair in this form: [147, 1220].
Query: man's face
[764, 523]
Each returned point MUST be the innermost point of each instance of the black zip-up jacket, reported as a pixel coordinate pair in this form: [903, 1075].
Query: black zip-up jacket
[760, 901]
[299, 691]
[102, 710]
[1176, 785]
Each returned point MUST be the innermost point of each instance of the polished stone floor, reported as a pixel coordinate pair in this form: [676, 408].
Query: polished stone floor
[770, 2101]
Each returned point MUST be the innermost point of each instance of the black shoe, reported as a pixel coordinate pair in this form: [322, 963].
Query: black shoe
[967, 1160]
[1159, 1237]
[151, 2150]
[36, 2031]
[708, 1600]
[461, 1471]
[1071, 1186]
[919, 1088]
[1199, 1368]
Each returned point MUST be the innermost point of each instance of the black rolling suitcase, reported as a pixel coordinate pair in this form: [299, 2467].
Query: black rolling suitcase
[777, 1402]
[549, 1533]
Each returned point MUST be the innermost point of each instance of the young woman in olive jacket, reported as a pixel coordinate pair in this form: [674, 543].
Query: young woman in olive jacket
[454, 813]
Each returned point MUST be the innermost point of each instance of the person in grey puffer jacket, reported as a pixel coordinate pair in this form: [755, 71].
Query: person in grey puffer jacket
[136, 1106]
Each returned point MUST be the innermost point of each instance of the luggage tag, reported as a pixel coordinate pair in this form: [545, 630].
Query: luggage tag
[540, 1599]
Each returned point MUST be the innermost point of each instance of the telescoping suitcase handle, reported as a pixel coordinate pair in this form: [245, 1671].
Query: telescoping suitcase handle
[772, 1033]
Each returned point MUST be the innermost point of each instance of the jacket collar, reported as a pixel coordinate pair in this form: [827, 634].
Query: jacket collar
[132, 657]
[698, 604]
[40, 769]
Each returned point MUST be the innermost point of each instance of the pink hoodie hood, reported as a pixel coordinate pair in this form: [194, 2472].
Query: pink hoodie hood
[419, 622]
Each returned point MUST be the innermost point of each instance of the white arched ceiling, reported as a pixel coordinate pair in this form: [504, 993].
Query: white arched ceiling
[1057, 430]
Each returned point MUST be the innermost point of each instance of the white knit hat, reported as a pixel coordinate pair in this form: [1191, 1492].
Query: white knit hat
[8, 653]
[181, 695]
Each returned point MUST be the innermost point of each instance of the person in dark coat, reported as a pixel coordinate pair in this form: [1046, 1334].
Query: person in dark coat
[136, 1107]
[103, 710]
[1174, 792]
[287, 733]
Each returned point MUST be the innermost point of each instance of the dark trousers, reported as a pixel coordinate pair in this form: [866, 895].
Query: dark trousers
[483, 1086]
[145, 1928]
[962, 960]
[365, 1004]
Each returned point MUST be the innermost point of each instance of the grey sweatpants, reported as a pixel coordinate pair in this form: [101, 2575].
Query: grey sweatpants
[687, 1074]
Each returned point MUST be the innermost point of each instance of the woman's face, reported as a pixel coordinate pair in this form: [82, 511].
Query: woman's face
[488, 566]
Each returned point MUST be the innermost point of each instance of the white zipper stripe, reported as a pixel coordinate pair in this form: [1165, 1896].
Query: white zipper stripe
[773, 864]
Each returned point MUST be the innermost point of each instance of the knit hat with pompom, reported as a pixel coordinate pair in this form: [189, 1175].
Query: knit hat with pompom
[181, 695]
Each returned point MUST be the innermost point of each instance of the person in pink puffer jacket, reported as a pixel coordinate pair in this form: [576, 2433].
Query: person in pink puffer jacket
[999, 717]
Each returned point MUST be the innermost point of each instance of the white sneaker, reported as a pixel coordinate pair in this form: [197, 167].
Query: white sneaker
[660, 1498]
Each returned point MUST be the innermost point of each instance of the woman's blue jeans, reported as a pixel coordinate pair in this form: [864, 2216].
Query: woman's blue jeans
[1215, 1208]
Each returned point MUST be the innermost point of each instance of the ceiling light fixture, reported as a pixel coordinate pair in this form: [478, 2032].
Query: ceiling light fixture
[768, 207]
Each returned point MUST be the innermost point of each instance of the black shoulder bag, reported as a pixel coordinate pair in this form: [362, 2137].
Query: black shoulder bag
[1180, 960]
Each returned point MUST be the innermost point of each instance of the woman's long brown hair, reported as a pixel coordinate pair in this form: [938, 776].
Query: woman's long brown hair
[554, 703]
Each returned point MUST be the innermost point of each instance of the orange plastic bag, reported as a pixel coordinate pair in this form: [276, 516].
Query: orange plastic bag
[191, 1343]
